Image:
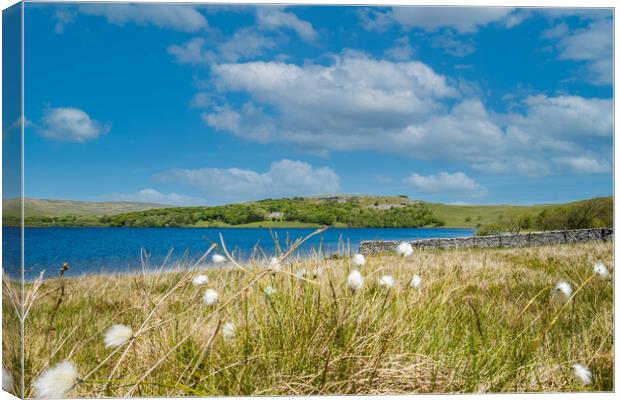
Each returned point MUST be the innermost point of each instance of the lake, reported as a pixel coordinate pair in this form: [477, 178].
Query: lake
[93, 250]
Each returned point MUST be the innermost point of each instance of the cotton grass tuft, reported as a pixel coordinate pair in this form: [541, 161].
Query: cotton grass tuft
[274, 263]
[386, 282]
[583, 374]
[359, 260]
[562, 291]
[269, 291]
[404, 249]
[355, 281]
[117, 336]
[228, 331]
[210, 297]
[218, 259]
[200, 280]
[56, 382]
[416, 281]
[600, 269]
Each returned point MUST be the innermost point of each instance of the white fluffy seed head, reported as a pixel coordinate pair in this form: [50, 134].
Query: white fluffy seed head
[386, 281]
[355, 281]
[358, 260]
[117, 335]
[416, 281]
[269, 291]
[200, 280]
[404, 249]
[562, 291]
[228, 331]
[218, 259]
[210, 297]
[600, 269]
[274, 263]
[7, 380]
[583, 374]
[56, 382]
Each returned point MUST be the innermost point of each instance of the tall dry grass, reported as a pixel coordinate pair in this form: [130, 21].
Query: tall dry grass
[482, 321]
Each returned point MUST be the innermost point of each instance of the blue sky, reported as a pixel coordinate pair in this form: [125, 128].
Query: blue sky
[185, 104]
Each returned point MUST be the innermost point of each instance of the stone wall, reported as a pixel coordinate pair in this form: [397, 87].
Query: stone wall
[513, 240]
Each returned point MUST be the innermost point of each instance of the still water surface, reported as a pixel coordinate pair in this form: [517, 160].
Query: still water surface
[89, 250]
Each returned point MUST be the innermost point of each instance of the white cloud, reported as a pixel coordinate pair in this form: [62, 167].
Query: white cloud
[562, 118]
[453, 46]
[184, 18]
[245, 44]
[592, 45]
[461, 19]
[586, 165]
[359, 103]
[401, 51]
[445, 182]
[154, 196]
[70, 124]
[272, 18]
[284, 178]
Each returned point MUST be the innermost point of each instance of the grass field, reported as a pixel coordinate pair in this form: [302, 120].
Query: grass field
[481, 321]
[59, 208]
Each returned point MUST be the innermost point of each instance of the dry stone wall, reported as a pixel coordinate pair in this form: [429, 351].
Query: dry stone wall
[512, 240]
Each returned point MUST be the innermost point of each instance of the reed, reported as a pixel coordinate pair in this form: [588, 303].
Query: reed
[477, 320]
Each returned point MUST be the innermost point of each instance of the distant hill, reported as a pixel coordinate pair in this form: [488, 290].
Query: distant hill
[472, 216]
[342, 210]
[57, 208]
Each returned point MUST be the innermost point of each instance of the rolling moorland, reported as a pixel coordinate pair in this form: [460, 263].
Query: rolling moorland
[476, 321]
[337, 211]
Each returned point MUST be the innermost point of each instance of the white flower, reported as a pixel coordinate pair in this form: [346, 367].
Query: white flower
[600, 270]
[218, 259]
[200, 280]
[386, 281]
[228, 331]
[56, 381]
[302, 273]
[269, 291]
[117, 335]
[404, 249]
[210, 297]
[355, 281]
[416, 281]
[359, 260]
[274, 263]
[583, 374]
[563, 290]
[7, 380]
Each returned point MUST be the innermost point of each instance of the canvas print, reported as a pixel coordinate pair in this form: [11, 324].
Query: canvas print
[246, 200]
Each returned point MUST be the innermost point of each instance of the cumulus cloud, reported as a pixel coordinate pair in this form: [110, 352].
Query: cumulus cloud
[184, 18]
[401, 50]
[360, 103]
[284, 178]
[592, 45]
[445, 182]
[154, 196]
[460, 19]
[586, 165]
[244, 44]
[272, 18]
[70, 124]
[453, 46]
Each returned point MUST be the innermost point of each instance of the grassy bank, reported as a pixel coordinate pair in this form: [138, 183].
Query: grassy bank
[481, 321]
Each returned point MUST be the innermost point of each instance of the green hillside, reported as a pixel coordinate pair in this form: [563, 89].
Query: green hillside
[87, 212]
[305, 212]
[474, 216]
